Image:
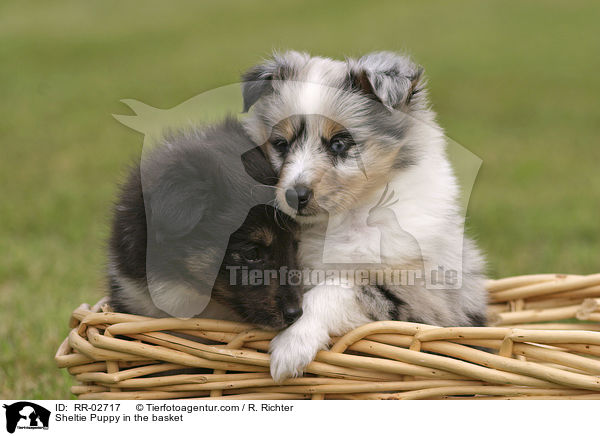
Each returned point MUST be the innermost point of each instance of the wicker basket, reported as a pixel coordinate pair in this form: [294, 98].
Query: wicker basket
[527, 353]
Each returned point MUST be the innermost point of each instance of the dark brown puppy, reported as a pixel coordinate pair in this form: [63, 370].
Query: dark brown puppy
[194, 220]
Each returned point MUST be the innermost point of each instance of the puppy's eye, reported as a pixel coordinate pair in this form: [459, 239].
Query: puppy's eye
[339, 145]
[280, 144]
[251, 255]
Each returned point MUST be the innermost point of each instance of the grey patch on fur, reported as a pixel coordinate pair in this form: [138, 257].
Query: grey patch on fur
[258, 80]
[395, 302]
[376, 306]
[393, 79]
[477, 319]
[407, 156]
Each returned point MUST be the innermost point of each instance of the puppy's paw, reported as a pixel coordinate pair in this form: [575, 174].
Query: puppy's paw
[291, 351]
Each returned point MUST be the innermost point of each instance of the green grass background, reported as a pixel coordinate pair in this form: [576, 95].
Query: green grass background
[515, 82]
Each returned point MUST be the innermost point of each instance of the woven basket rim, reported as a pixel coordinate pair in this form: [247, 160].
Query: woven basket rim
[535, 355]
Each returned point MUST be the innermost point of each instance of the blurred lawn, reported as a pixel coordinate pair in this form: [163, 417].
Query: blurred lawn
[516, 82]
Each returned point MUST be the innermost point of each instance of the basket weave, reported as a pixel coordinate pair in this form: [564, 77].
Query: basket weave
[526, 354]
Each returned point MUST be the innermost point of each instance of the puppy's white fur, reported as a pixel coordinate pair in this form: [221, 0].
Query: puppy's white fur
[423, 223]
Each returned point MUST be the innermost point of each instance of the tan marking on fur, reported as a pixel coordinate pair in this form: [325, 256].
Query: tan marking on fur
[339, 190]
[329, 128]
[285, 128]
[263, 235]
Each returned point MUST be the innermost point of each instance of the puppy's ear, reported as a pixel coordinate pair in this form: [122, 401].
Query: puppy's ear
[177, 204]
[258, 167]
[390, 78]
[258, 80]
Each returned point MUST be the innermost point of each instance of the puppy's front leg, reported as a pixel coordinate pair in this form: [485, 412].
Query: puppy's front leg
[327, 310]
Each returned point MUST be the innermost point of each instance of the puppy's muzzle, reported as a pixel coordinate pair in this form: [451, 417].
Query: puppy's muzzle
[299, 197]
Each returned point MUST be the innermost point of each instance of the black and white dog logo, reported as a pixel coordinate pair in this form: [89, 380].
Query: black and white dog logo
[26, 415]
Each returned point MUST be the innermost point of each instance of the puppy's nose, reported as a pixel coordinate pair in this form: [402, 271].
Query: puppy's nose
[304, 195]
[298, 197]
[291, 314]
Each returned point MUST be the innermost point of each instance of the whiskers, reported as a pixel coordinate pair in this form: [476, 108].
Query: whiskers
[262, 185]
[277, 216]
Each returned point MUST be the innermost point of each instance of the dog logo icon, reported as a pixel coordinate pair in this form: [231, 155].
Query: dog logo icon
[26, 415]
